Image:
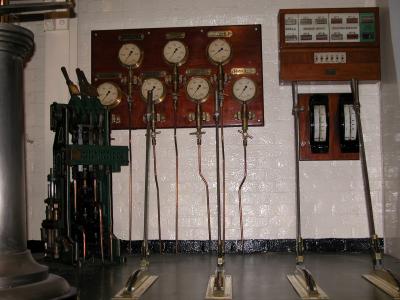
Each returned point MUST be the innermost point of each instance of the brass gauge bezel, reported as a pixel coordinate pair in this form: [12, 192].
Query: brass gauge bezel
[117, 100]
[134, 65]
[159, 99]
[217, 62]
[202, 100]
[183, 60]
[255, 87]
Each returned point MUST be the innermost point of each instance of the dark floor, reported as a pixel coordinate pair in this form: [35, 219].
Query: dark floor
[256, 276]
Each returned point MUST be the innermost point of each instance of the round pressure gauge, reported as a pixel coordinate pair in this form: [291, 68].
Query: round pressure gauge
[244, 89]
[157, 86]
[110, 94]
[219, 51]
[175, 52]
[198, 89]
[130, 55]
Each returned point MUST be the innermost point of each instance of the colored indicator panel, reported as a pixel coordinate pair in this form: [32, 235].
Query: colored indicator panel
[367, 27]
[313, 28]
[344, 27]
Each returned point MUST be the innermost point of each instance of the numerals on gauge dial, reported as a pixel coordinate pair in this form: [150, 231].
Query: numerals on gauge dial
[175, 52]
[219, 51]
[350, 123]
[198, 89]
[244, 89]
[154, 85]
[109, 94]
[320, 123]
[130, 55]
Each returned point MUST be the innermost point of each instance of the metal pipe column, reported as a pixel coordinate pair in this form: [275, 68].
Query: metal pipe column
[20, 276]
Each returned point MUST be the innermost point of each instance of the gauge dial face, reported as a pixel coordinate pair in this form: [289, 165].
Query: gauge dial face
[130, 55]
[219, 51]
[109, 94]
[244, 89]
[156, 86]
[350, 123]
[198, 89]
[320, 123]
[175, 52]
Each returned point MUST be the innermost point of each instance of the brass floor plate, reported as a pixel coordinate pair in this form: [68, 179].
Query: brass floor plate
[298, 285]
[228, 289]
[143, 286]
[385, 286]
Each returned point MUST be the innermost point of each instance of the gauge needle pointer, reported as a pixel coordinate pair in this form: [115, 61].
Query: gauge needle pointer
[173, 53]
[198, 87]
[218, 51]
[245, 87]
[108, 92]
[129, 54]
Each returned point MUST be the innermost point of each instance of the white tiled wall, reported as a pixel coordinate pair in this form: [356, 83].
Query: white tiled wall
[390, 109]
[332, 194]
[36, 130]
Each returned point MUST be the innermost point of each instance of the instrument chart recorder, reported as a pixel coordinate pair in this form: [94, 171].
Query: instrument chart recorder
[341, 46]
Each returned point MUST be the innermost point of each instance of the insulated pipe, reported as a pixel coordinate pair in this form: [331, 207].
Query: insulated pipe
[20, 276]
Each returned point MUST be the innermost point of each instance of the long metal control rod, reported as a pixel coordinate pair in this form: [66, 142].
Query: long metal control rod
[219, 98]
[130, 200]
[363, 160]
[377, 255]
[140, 280]
[145, 244]
[223, 179]
[380, 277]
[175, 95]
[154, 143]
[295, 112]
[301, 279]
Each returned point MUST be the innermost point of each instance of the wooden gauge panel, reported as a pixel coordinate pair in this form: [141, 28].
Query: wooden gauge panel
[333, 44]
[246, 60]
[335, 151]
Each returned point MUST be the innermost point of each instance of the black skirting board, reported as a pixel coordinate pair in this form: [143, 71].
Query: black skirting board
[358, 245]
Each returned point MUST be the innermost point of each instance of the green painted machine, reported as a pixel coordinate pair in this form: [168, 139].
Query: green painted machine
[79, 218]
